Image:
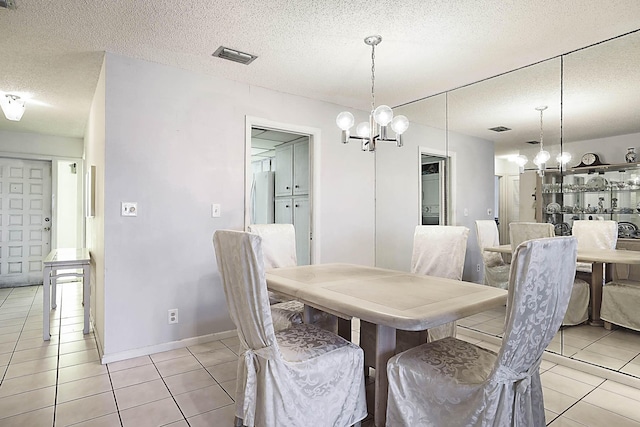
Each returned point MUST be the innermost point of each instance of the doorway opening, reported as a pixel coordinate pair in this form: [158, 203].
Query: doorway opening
[433, 173]
[289, 151]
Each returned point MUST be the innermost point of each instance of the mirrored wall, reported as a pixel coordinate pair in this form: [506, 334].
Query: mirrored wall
[592, 97]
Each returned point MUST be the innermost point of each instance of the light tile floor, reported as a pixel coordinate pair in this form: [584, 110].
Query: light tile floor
[62, 382]
[617, 350]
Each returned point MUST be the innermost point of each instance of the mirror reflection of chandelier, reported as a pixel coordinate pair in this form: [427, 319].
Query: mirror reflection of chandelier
[543, 156]
[376, 128]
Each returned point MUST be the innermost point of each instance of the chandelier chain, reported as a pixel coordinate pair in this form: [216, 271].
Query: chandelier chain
[373, 76]
[541, 132]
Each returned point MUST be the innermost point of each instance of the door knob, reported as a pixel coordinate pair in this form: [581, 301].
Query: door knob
[47, 228]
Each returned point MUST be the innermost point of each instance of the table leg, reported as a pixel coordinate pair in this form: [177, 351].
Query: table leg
[54, 287]
[46, 302]
[385, 349]
[86, 294]
[344, 328]
[597, 278]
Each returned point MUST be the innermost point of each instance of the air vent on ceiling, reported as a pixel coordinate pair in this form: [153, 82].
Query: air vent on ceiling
[7, 4]
[233, 55]
[533, 142]
[500, 129]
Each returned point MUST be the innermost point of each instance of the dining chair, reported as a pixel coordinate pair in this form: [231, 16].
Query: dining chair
[496, 271]
[578, 311]
[279, 250]
[438, 250]
[621, 295]
[451, 382]
[300, 376]
[594, 235]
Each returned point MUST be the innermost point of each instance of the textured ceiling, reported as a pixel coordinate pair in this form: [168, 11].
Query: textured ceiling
[53, 50]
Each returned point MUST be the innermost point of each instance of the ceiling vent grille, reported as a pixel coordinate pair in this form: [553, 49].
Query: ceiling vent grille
[233, 55]
[7, 4]
[500, 129]
[533, 142]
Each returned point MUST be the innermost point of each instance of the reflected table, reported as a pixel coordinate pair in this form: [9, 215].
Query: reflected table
[598, 258]
[387, 298]
[64, 259]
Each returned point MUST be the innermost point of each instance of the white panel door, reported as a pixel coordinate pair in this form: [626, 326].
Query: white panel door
[302, 224]
[25, 220]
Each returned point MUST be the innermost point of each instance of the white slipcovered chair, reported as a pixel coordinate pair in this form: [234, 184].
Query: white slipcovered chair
[300, 376]
[438, 250]
[578, 311]
[594, 235]
[496, 271]
[621, 296]
[455, 383]
[279, 250]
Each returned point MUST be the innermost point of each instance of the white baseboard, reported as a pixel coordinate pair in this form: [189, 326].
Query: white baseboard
[145, 351]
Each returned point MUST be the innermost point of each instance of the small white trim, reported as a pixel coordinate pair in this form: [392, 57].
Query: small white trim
[145, 351]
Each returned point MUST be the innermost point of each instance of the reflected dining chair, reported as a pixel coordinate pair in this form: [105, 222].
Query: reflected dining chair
[621, 298]
[578, 311]
[279, 250]
[438, 250]
[300, 376]
[594, 235]
[496, 271]
[451, 382]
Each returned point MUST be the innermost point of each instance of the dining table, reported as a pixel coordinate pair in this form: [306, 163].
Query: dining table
[389, 299]
[598, 258]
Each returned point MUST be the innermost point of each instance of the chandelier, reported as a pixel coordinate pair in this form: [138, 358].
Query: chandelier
[12, 107]
[543, 156]
[376, 128]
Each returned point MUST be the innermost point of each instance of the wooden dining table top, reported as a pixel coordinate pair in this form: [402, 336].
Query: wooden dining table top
[609, 256]
[387, 297]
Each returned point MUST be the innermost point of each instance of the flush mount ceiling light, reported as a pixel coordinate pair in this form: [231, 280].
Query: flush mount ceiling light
[12, 107]
[234, 55]
[376, 128]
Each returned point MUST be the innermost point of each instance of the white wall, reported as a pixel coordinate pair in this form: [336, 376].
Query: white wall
[41, 146]
[174, 143]
[95, 155]
[68, 204]
[398, 195]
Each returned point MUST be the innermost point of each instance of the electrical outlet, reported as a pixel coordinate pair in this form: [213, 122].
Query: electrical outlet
[173, 315]
[478, 268]
[129, 209]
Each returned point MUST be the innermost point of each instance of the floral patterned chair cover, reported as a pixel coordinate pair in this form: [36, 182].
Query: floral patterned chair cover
[300, 376]
[279, 250]
[578, 311]
[496, 271]
[621, 296]
[438, 250]
[594, 235]
[455, 383]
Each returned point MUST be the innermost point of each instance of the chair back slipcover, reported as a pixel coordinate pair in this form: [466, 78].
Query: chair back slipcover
[278, 244]
[496, 271]
[594, 235]
[455, 383]
[439, 250]
[522, 231]
[303, 375]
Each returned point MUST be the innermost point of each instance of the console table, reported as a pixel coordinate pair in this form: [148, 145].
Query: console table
[64, 259]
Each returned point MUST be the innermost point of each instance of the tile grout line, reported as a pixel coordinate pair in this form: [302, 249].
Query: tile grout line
[113, 391]
[169, 390]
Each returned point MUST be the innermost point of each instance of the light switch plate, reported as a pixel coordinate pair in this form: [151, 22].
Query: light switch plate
[129, 209]
[215, 210]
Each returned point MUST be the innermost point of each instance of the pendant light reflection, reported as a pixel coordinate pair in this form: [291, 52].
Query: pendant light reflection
[543, 156]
